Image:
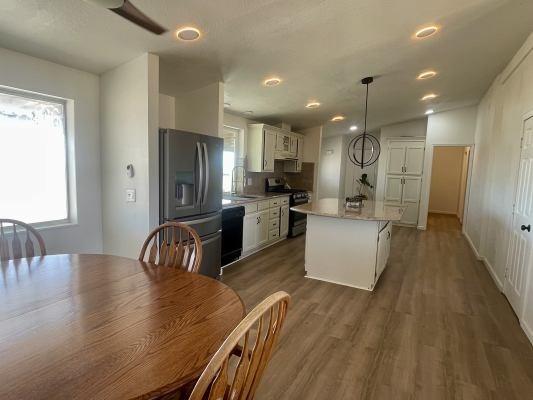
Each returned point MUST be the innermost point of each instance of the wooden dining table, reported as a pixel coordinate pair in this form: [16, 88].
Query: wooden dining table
[103, 327]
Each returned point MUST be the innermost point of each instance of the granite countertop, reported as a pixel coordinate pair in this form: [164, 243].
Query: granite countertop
[234, 201]
[333, 207]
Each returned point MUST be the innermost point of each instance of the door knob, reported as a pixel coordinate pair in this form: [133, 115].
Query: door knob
[526, 228]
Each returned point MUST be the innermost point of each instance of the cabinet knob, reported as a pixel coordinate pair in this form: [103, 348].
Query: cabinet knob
[526, 228]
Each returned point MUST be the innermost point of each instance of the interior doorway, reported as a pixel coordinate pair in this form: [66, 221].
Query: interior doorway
[449, 180]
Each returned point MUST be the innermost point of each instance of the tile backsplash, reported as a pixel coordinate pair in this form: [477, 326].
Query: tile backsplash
[299, 180]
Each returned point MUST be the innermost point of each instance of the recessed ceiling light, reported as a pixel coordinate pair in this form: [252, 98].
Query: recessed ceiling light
[313, 104]
[430, 111]
[429, 96]
[426, 32]
[337, 118]
[274, 81]
[353, 128]
[227, 105]
[249, 112]
[188, 34]
[426, 75]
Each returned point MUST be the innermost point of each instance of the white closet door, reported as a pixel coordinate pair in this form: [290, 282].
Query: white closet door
[393, 189]
[411, 199]
[396, 158]
[414, 158]
[519, 254]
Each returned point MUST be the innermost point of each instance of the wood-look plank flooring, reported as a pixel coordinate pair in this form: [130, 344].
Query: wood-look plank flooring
[436, 326]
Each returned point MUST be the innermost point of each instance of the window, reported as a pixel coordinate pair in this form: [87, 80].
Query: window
[230, 136]
[33, 164]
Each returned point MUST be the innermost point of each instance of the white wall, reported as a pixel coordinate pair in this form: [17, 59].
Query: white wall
[201, 110]
[312, 143]
[129, 121]
[331, 167]
[446, 174]
[167, 111]
[409, 129]
[81, 89]
[495, 165]
[449, 128]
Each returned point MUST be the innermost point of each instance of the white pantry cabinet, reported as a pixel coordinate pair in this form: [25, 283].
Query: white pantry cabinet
[403, 180]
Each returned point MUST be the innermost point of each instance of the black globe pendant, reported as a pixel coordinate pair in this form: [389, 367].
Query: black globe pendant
[364, 149]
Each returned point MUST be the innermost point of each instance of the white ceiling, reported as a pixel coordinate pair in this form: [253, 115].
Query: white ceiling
[320, 48]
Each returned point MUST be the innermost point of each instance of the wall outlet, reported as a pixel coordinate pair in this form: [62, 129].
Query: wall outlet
[249, 183]
[131, 196]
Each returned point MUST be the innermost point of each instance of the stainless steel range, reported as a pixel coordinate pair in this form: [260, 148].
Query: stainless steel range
[297, 221]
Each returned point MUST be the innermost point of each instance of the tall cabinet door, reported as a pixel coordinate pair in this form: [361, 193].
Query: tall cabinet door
[284, 222]
[414, 158]
[393, 189]
[262, 227]
[249, 229]
[396, 158]
[269, 148]
[411, 199]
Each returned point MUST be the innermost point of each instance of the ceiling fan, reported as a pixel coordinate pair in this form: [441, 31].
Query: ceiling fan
[125, 9]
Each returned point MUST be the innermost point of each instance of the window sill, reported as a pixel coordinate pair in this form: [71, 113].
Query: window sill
[45, 226]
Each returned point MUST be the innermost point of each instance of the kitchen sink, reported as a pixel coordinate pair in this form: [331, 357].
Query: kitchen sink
[242, 197]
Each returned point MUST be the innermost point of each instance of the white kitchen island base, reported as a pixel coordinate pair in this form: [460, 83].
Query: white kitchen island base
[346, 247]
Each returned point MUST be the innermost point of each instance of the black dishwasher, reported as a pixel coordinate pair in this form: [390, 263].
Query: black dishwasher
[231, 234]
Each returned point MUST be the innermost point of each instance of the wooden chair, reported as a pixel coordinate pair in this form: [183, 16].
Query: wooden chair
[264, 322]
[15, 251]
[180, 247]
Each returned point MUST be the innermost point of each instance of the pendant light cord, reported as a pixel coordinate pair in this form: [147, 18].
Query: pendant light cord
[364, 132]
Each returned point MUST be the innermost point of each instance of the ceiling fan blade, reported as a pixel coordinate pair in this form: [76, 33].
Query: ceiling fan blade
[133, 14]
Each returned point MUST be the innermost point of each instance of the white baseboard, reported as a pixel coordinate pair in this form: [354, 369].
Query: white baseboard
[443, 212]
[528, 331]
[492, 273]
[483, 259]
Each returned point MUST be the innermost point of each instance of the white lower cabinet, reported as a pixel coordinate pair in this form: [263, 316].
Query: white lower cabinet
[383, 249]
[262, 223]
[284, 221]
[262, 227]
[249, 229]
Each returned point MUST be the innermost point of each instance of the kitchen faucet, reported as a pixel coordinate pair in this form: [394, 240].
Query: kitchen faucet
[235, 181]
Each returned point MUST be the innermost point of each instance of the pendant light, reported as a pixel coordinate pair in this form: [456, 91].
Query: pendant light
[364, 149]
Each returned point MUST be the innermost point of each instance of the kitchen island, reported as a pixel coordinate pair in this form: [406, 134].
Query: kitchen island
[345, 246]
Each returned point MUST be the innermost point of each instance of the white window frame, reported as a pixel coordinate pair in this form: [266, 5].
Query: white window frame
[238, 133]
[71, 219]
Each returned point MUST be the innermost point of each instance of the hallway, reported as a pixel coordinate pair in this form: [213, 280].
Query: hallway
[436, 326]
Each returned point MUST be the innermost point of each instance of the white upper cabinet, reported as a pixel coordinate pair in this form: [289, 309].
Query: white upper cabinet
[414, 158]
[268, 143]
[405, 157]
[261, 146]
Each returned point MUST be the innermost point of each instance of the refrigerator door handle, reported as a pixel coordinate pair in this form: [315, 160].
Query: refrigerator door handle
[201, 181]
[206, 191]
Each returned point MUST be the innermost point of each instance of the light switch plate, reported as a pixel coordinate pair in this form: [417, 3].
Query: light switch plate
[131, 196]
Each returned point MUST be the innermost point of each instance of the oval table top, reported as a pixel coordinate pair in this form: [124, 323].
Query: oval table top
[104, 327]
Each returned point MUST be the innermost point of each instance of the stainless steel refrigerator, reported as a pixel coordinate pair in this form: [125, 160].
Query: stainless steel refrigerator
[190, 176]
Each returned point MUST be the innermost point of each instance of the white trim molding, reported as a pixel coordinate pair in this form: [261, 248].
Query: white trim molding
[490, 268]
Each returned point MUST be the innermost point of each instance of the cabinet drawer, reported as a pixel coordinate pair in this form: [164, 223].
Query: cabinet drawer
[250, 208]
[263, 205]
[275, 202]
[284, 201]
[273, 234]
[273, 223]
[274, 213]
